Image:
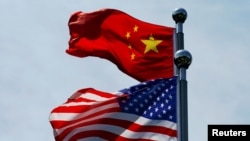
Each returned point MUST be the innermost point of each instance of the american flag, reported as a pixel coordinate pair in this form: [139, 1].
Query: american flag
[144, 112]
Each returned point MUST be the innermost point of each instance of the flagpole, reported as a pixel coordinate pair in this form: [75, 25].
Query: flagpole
[182, 60]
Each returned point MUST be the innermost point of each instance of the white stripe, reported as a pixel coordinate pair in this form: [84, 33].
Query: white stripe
[84, 103]
[77, 104]
[117, 93]
[126, 117]
[121, 132]
[93, 96]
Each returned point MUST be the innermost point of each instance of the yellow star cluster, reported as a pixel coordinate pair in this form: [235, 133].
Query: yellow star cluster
[150, 43]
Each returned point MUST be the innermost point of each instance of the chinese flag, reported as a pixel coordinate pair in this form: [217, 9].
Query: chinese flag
[142, 50]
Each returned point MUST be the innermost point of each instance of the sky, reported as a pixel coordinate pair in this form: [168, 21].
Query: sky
[36, 74]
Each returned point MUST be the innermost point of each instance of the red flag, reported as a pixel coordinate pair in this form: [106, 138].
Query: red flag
[142, 50]
[145, 112]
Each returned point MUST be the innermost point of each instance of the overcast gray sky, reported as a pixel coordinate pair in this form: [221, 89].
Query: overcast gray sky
[37, 75]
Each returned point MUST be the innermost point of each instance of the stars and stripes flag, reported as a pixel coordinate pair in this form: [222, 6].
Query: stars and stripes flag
[145, 112]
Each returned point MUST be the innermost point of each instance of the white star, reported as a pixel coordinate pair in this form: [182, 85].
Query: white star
[164, 111]
[136, 109]
[166, 101]
[131, 104]
[151, 114]
[156, 109]
[162, 94]
[158, 99]
[170, 96]
[141, 105]
[162, 105]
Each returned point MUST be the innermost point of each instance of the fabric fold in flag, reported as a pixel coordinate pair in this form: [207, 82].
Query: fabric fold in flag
[139, 49]
[145, 112]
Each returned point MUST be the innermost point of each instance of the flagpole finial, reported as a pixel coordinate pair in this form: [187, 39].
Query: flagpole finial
[179, 15]
[182, 59]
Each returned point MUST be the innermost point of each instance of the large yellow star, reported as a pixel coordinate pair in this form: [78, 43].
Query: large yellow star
[151, 44]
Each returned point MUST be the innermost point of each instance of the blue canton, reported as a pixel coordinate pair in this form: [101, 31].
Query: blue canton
[155, 99]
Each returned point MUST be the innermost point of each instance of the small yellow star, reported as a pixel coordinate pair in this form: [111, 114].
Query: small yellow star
[151, 44]
[127, 35]
[132, 56]
[135, 28]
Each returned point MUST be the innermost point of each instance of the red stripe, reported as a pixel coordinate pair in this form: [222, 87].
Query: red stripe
[102, 134]
[80, 100]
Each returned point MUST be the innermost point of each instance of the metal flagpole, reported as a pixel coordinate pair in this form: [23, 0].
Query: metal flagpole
[182, 60]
